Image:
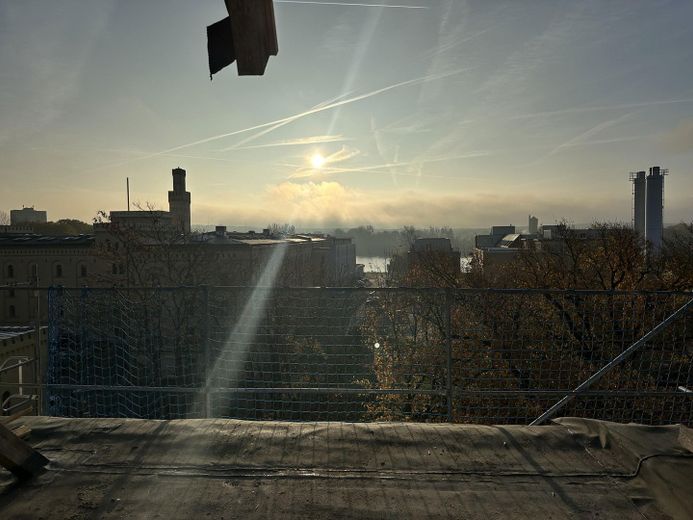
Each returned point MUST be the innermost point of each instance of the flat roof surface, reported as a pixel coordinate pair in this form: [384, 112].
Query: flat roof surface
[32, 239]
[131, 468]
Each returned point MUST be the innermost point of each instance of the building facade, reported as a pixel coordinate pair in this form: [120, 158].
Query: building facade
[428, 261]
[28, 260]
[156, 248]
[27, 215]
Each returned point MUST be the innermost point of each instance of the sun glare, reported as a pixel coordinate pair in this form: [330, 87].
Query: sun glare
[317, 160]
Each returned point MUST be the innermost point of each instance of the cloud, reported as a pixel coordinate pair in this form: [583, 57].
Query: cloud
[43, 62]
[679, 139]
[331, 204]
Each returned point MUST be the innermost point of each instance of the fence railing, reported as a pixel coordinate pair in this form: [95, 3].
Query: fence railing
[460, 355]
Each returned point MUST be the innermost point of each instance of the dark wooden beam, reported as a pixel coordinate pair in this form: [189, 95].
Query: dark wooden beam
[254, 34]
[18, 457]
[248, 36]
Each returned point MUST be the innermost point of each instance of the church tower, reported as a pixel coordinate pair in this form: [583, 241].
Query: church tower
[179, 201]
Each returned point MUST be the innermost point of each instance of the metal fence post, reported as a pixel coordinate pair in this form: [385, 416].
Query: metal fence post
[448, 347]
[207, 353]
[55, 308]
[38, 376]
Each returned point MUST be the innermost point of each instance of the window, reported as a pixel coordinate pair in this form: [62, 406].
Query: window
[10, 271]
[121, 269]
[83, 271]
[114, 269]
[13, 311]
[34, 271]
[11, 293]
[58, 271]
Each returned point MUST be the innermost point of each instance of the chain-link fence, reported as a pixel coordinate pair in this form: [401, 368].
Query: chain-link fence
[461, 355]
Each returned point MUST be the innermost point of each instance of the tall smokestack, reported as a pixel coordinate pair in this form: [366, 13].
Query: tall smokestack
[654, 221]
[639, 201]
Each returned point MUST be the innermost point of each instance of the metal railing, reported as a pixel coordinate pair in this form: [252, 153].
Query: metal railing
[17, 400]
[459, 355]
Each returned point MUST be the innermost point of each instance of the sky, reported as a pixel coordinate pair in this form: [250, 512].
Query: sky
[420, 112]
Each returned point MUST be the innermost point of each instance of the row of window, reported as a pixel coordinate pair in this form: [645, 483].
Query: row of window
[58, 272]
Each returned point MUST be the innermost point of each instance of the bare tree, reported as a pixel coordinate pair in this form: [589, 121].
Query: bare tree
[4, 218]
[281, 229]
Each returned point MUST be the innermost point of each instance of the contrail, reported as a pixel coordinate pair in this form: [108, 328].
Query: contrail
[584, 135]
[350, 4]
[366, 37]
[289, 119]
[318, 139]
[272, 128]
[274, 125]
[579, 110]
[348, 101]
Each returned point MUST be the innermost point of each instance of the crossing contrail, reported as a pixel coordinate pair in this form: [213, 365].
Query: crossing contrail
[280, 122]
[580, 110]
[350, 4]
[301, 141]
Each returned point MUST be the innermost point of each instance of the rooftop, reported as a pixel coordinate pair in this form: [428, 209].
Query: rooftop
[251, 238]
[139, 214]
[434, 244]
[132, 468]
[33, 239]
[509, 240]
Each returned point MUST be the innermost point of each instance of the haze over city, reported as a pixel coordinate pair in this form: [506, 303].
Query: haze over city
[440, 112]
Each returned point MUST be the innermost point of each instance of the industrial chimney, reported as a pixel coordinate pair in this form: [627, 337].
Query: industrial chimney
[639, 201]
[654, 218]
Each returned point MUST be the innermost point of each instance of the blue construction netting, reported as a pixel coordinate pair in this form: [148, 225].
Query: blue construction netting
[461, 355]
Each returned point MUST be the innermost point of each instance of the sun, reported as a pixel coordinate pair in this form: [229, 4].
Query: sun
[317, 160]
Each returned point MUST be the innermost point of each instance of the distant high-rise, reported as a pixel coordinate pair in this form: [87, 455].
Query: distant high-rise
[179, 201]
[654, 218]
[533, 226]
[639, 191]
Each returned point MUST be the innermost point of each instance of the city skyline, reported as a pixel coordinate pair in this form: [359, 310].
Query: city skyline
[453, 114]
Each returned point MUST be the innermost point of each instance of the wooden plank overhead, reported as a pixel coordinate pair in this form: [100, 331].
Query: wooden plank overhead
[248, 36]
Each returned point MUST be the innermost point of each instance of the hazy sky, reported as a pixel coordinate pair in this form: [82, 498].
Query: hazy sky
[464, 113]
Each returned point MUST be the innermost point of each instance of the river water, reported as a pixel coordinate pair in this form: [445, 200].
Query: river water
[378, 264]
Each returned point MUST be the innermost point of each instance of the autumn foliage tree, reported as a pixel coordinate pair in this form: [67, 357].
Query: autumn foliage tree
[527, 333]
